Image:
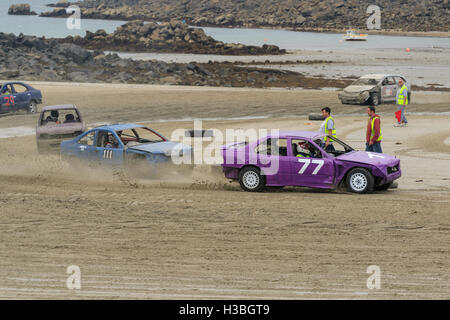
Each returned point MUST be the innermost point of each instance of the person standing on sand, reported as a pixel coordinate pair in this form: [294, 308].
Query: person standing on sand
[329, 128]
[402, 102]
[373, 132]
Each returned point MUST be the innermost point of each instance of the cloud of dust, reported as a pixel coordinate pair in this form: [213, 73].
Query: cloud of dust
[21, 158]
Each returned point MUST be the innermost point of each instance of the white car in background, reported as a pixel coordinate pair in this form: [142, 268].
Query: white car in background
[373, 89]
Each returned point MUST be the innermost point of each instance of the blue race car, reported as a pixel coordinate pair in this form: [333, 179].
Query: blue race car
[122, 145]
[16, 96]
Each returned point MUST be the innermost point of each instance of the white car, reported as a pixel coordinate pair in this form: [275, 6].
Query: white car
[373, 89]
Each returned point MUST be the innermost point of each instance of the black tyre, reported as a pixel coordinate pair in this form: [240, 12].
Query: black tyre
[374, 99]
[250, 179]
[315, 117]
[382, 187]
[32, 108]
[359, 180]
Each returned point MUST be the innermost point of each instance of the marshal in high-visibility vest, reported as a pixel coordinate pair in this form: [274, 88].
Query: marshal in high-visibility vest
[333, 130]
[402, 97]
[372, 133]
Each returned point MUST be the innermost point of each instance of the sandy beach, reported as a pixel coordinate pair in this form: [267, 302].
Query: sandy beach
[198, 236]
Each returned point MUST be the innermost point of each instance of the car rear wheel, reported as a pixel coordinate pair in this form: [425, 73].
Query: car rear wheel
[374, 99]
[32, 108]
[359, 180]
[250, 179]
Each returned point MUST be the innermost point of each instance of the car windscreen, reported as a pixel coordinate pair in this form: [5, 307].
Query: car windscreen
[365, 82]
[339, 147]
[62, 116]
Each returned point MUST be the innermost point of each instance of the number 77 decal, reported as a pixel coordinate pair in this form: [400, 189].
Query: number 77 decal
[307, 162]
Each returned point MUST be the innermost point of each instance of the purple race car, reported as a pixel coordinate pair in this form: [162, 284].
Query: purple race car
[298, 159]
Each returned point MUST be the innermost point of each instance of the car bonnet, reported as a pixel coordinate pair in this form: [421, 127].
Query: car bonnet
[352, 88]
[372, 158]
[161, 147]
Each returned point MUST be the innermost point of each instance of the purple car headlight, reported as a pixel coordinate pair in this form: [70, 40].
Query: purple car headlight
[391, 170]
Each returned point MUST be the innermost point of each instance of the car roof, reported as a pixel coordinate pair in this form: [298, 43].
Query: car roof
[299, 134]
[13, 82]
[379, 76]
[59, 107]
[120, 127]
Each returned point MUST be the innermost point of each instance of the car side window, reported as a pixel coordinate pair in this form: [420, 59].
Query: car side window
[106, 139]
[303, 148]
[19, 88]
[7, 89]
[88, 139]
[273, 146]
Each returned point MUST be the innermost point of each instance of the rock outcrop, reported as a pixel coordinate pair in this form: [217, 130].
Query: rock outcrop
[137, 36]
[32, 58]
[404, 15]
[23, 9]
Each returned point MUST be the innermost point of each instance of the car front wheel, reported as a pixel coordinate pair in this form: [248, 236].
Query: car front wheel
[250, 179]
[374, 99]
[359, 180]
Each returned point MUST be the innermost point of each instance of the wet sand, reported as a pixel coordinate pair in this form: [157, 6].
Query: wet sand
[422, 66]
[198, 235]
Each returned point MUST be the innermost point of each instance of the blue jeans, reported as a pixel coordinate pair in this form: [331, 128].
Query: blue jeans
[403, 118]
[376, 147]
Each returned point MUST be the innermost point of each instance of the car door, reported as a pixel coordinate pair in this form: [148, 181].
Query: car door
[388, 89]
[22, 96]
[272, 158]
[8, 102]
[85, 149]
[109, 155]
[311, 169]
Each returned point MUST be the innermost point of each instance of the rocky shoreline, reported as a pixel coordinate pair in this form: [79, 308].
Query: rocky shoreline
[32, 58]
[307, 15]
[174, 36]
[39, 59]
[21, 9]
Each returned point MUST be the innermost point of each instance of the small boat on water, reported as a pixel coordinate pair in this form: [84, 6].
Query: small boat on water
[352, 35]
